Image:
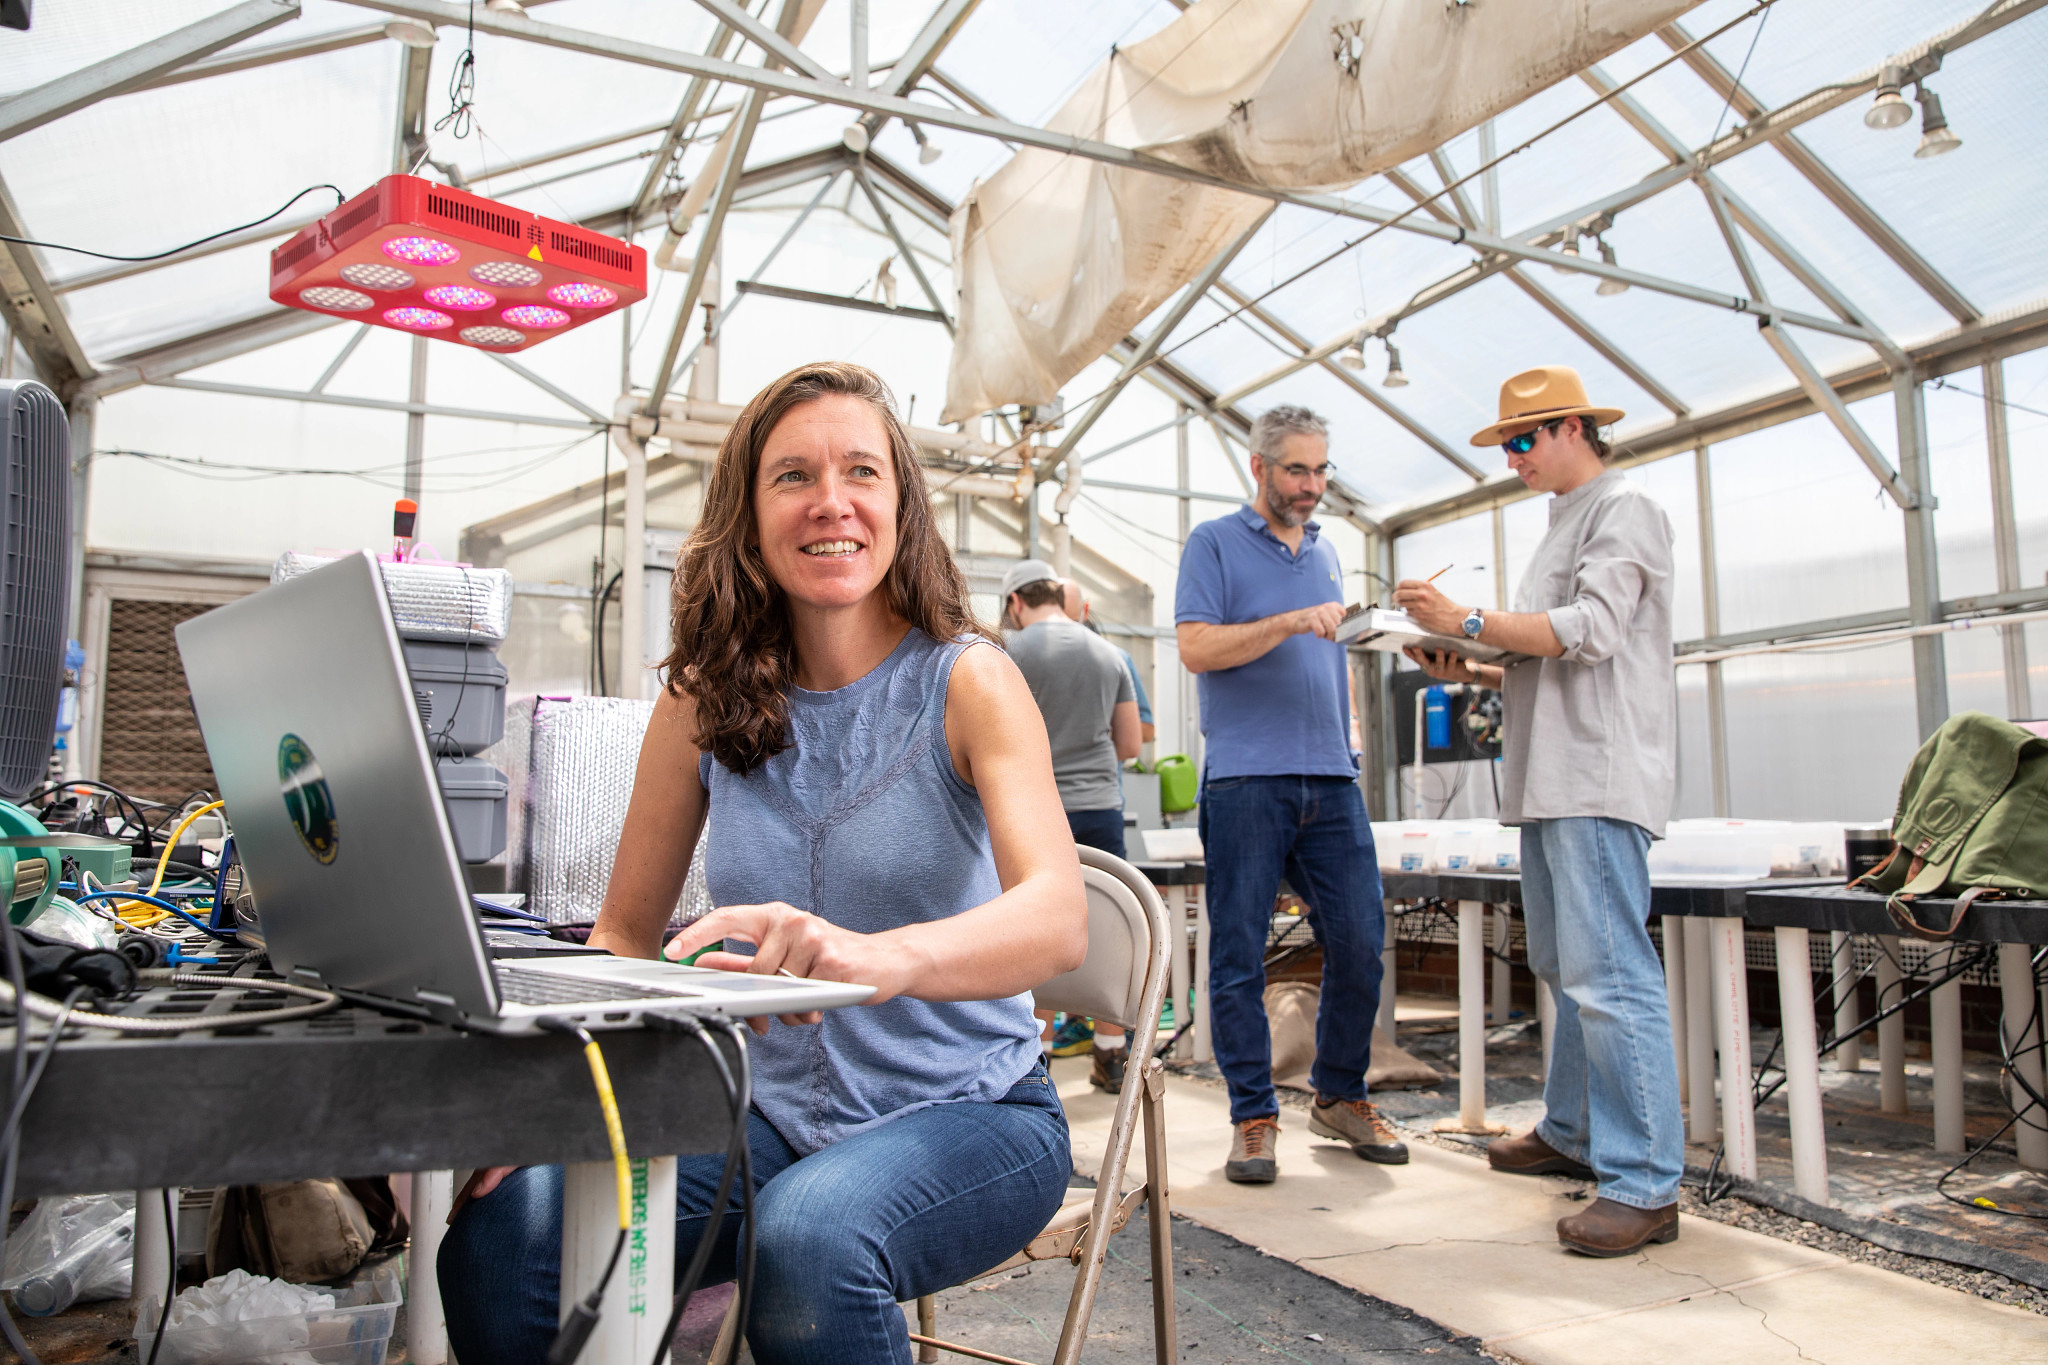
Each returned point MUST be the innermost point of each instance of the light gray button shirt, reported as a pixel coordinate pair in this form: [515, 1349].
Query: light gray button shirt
[1595, 732]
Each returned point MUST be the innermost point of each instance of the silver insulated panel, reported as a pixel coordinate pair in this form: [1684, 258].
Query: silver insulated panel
[570, 761]
[430, 600]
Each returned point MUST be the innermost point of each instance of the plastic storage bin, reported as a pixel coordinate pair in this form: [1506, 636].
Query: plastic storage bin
[475, 794]
[356, 1331]
[460, 690]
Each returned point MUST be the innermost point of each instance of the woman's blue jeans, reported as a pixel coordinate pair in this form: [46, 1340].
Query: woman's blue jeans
[844, 1235]
[1611, 1099]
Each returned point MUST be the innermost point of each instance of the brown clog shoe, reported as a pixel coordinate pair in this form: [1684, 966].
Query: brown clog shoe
[1605, 1228]
[1527, 1154]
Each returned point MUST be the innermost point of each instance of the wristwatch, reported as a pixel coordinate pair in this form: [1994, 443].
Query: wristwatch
[1474, 623]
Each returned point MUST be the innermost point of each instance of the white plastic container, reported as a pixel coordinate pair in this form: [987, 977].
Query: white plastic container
[1501, 850]
[356, 1331]
[1410, 847]
[1736, 854]
[1458, 848]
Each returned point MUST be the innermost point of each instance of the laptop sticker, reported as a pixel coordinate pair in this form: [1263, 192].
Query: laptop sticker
[307, 800]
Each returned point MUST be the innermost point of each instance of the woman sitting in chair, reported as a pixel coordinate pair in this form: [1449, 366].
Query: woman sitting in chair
[885, 816]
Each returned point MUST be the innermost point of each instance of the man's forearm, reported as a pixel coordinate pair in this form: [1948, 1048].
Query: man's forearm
[1520, 632]
[1205, 647]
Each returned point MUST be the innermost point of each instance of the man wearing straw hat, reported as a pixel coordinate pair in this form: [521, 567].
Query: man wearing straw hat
[1589, 743]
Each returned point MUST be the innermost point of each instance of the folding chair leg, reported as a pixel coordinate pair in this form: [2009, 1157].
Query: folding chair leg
[927, 1326]
[1165, 1335]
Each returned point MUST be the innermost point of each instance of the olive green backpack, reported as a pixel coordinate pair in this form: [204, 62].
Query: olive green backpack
[1972, 821]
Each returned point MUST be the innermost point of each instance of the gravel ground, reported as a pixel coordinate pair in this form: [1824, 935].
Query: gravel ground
[1738, 1212]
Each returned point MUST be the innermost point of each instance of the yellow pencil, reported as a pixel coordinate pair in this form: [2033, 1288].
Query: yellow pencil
[1439, 573]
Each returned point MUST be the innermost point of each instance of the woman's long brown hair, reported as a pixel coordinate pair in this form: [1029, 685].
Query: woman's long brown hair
[731, 650]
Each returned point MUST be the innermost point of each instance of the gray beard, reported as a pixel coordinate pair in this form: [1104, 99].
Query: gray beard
[1280, 509]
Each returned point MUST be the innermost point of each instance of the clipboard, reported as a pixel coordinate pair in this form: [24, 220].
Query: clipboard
[1392, 631]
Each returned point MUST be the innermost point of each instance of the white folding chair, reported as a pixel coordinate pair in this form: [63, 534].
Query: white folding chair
[1123, 981]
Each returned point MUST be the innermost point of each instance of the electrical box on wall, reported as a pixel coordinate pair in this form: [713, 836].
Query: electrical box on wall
[1457, 726]
[424, 258]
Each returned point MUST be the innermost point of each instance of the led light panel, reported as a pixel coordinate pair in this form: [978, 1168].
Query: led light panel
[415, 256]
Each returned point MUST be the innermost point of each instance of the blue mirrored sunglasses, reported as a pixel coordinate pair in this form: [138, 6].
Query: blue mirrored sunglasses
[1526, 442]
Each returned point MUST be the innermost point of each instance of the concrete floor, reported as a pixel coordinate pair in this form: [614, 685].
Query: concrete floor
[1477, 1252]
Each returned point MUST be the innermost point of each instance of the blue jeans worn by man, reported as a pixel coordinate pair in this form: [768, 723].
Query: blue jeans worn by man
[907, 1207]
[1314, 832]
[1611, 1097]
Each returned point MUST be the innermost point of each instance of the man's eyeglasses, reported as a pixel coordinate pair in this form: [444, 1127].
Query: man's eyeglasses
[1307, 471]
[1526, 442]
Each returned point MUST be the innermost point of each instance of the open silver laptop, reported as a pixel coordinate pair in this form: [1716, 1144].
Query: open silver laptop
[308, 713]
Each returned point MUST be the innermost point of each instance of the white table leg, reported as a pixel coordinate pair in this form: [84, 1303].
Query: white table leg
[1891, 1032]
[1546, 1019]
[1673, 933]
[1703, 1120]
[1945, 1006]
[1842, 967]
[1389, 951]
[2023, 1036]
[1204, 1052]
[1471, 1024]
[1176, 899]
[1731, 1028]
[155, 1252]
[426, 1330]
[1802, 1066]
[1500, 1003]
[636, 1306]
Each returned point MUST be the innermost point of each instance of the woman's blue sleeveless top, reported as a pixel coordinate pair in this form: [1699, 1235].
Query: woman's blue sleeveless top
[864, 822]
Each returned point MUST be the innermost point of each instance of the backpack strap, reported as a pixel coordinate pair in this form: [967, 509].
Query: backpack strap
[1872, 875]
[1899, 906]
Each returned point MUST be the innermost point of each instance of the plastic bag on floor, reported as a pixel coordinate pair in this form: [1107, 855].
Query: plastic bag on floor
[236, 1316]
[71, 1249]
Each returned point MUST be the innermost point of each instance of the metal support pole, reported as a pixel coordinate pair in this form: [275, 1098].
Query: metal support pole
[1891, 1032]
[2023, 1041]
[84, 418]
[1842, 967]
[416, 423]
[1546, 1019]
[635, 1303]
[1499, 1001]
[858, 77]
[1703, 1122]
[1945, 1010]
[426, 1330]
[1390, 955]
[1710, 621]
[1176, 898]
[1673, 927]
[1204, 1051]
[1923, 578]
[2005, 540]
[1802, 1066]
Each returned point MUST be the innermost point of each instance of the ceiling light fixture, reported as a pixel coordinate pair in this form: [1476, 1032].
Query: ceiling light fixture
[1609, 287]
[927, 150]
[1890, 108]
[1395, 379]
[1936, 137]
[411, 32]
[505, 6]
[855, 138]
[1571, 249]
[1353, 356]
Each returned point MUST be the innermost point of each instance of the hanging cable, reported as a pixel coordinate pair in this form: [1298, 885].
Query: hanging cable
[462, 87]
[339, 200]
[582, 1320]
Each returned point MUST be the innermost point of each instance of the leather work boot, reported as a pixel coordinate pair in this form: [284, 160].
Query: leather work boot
[1251, 1152]
[1605, 1228]
[1359, 1124]
[1107, 1075]
[1527, 1154]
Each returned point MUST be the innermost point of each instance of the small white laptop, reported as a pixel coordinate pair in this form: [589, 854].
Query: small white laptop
[307, 709]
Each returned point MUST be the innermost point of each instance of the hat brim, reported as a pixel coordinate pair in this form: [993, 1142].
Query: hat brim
[1495, 434]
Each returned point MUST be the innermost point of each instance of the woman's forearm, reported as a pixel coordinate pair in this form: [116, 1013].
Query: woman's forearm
[1017, 942]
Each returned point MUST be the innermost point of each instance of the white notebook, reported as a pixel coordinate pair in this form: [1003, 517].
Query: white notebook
[1394, 631]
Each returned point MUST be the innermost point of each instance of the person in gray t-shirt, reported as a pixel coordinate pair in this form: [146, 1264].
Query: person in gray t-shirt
[1090, 707]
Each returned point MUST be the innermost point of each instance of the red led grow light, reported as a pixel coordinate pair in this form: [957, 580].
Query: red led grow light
[406, 253]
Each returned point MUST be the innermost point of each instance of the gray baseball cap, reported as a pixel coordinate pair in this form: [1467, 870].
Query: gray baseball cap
[1026, 571]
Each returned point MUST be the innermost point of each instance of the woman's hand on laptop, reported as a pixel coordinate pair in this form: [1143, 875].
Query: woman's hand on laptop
[793, 942]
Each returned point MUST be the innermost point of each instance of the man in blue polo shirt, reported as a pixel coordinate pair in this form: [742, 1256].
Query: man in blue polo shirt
[1256, 611]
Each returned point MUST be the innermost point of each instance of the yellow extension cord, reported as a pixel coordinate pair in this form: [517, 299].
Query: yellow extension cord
[614, 1130]
[141, 914]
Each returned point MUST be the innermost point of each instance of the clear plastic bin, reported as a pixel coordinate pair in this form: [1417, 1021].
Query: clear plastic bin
[356, 1331]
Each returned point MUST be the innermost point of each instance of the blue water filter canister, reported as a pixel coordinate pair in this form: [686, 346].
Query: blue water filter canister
[1436, 719]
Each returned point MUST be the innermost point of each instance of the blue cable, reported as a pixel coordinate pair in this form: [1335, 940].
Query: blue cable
[225, 936]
